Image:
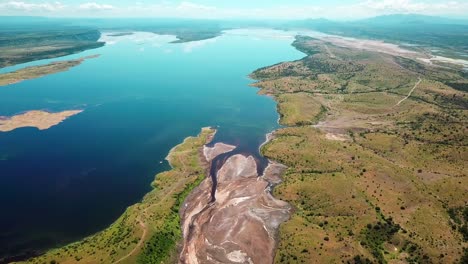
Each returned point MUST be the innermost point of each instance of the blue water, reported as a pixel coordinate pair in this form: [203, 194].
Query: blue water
[140, 98]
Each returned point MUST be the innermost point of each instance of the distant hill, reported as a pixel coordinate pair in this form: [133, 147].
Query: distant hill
[431, 31]
[410, 19]
[34, 23]
[421, 30]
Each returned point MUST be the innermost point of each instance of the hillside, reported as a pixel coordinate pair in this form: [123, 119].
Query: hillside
[376, 148]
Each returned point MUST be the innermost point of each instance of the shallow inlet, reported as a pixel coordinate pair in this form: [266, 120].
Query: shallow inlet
[219, 161]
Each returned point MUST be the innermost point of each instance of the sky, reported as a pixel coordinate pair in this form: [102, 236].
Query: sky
[233, 9]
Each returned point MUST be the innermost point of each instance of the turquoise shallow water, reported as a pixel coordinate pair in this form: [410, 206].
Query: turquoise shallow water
[141, 97]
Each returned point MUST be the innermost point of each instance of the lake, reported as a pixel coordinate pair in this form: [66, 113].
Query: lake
[140, 98]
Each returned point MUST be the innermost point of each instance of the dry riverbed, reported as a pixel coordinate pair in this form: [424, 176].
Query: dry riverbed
[240, 226]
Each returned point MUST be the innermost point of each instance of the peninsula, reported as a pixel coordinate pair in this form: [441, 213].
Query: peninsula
[34, 72]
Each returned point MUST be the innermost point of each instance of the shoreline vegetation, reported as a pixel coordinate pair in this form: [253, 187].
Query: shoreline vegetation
[149, 231]
[121, 34]
[35, 72]
[371, 180]
[41, 120]
[38, 42]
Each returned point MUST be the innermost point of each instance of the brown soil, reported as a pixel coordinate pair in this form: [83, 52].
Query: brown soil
[241, 225]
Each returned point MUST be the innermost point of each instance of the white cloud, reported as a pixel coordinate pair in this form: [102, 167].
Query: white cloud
[138, 38]
[191, 7]
[21, 6]
[393, 5]
[92, 6]
[365, 8]
[376, 7]
[410, 6]
[188, 9]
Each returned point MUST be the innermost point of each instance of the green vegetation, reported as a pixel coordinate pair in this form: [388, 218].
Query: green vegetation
[374, 237]
[189, 35]
[459, 218]
[299, 109]
[421, 32]
[19, 45]
[39, 71]
[465, 257]
[148, 232]
[371, 181]
[160, 247]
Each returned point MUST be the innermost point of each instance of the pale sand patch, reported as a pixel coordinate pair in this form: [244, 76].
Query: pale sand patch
[41, 120]
[389, 48]
[430, 177]
[336, 137]
[238, 256]
[370, 45]
[431, 61]
[218, 149]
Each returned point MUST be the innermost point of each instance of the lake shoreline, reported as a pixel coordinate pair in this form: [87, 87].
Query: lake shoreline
[168, 193]
[248, 138]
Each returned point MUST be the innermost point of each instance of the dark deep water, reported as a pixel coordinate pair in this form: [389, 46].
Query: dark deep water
[141, 97]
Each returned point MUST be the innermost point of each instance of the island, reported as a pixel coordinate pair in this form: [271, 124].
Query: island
[34, 72]
[41, 120]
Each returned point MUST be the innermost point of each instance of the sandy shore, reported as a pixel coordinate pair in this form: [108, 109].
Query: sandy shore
[41, 120]
[218, 149]
[371, 45]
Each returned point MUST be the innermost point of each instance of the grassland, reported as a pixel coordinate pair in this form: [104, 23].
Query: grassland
[147, 232]
[40, 71]
[16, 55]
[371, 180]
[184, 36]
